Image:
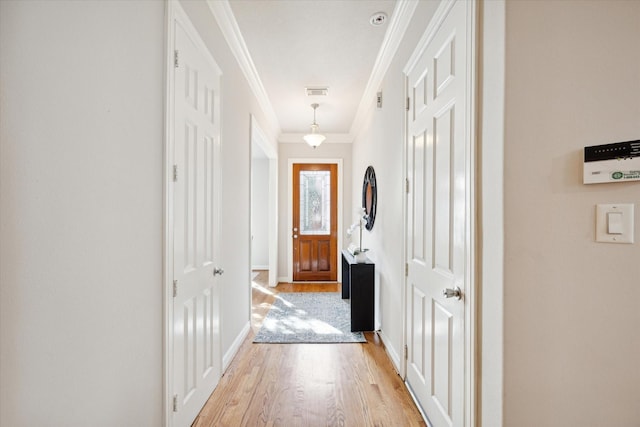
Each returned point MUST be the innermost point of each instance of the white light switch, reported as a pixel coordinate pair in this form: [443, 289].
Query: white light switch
[614, 223]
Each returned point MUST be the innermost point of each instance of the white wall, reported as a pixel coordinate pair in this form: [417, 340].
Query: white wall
[301, 150]
[380, 145]
[571, 305]
[260, 213]
[81, 209]
[81, 172]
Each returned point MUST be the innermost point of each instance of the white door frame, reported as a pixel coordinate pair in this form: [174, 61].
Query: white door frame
[472, 356]
[490, 211]
[167, 383]
[259, 138]
[290, 210]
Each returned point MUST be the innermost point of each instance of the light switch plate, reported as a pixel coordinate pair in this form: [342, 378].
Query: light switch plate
[623, 228]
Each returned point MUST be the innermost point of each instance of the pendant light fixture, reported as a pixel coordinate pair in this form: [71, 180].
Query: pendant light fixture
[314, 138]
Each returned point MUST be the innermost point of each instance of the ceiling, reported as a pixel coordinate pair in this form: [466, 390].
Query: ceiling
[296, 44]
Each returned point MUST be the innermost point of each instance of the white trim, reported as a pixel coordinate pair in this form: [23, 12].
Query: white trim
[471, 313]
[167, 238]
[392, 352]
[290, 162]
[259, 267]
[417, 403]
[398, 24]
[405, 220]
[223, 14]
[260, 139]
[491, 211]
[235, 346]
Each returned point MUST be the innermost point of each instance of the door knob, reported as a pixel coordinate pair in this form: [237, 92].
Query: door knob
[295, 236]
[452, 293]
[218, 271]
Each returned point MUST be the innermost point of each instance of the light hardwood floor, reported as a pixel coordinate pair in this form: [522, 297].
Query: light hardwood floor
[308, 384]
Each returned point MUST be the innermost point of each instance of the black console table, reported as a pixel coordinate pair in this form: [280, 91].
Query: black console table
[358, 281]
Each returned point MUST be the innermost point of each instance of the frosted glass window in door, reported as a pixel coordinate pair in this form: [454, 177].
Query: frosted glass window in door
[315, 202]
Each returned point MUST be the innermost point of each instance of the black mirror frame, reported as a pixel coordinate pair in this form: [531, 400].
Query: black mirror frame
[369, 182]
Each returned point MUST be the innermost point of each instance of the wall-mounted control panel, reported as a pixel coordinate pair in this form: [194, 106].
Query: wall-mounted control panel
[617, 162]
[614, 223]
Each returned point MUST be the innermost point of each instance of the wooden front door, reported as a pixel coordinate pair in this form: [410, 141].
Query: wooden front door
[315, 218]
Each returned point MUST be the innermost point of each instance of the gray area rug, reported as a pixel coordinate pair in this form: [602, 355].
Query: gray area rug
[308, 317]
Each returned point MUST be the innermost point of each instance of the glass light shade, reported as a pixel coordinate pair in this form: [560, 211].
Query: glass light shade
[314, 139]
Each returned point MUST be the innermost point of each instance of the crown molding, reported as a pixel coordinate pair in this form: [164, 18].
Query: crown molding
[223, 14]
[332, 138]
[398, 24]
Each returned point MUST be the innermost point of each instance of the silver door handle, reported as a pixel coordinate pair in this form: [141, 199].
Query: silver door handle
[295, 236]
[218, 271]
[452, 293]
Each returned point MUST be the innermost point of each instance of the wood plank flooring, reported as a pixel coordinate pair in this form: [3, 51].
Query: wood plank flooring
[308, 384]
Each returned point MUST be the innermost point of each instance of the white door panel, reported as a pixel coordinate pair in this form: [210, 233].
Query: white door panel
[196, 335]
[437, 210]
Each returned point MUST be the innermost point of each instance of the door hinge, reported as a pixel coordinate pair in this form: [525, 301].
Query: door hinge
[408, 103]
[175, 288]
[406, 352]
[406, 185]
[175, 403]
[175, 59]
[175, 173]
[406, 269]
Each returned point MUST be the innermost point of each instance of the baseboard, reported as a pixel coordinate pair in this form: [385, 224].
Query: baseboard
[260, 267]
[395, 360]
[283, 280]
[391, 352]
[417, 403]
[235, 346]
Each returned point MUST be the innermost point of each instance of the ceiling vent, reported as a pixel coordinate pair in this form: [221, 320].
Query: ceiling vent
[317, 91]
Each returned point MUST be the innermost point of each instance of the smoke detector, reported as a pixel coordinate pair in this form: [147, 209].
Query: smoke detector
[378, 19]
[317, 91]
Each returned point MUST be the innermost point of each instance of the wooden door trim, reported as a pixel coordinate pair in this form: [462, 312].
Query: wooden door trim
[287, 232]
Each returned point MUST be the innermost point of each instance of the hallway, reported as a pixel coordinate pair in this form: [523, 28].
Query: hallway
[307, 384]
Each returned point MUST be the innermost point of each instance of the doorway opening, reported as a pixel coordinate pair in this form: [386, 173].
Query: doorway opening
[264, 205]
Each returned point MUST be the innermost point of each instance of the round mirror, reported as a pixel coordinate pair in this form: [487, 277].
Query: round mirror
[369, 196]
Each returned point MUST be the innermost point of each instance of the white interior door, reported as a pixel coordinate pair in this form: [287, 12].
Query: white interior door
[438, 219]
[196, 314]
